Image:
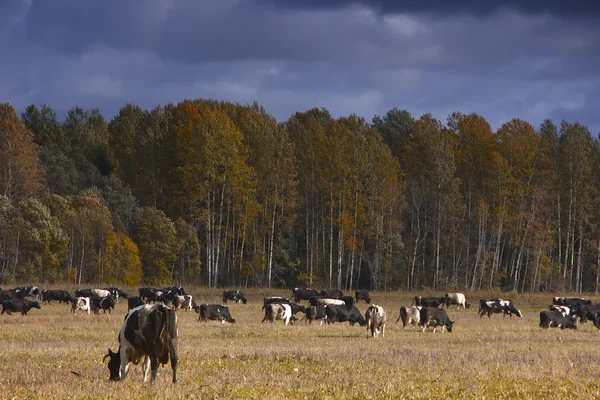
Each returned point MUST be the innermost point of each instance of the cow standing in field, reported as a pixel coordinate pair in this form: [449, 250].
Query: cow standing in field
[116, 293]
[564, 310]
[315, 313]
[81, 303]
[362, 294]
[273, 300]
[62, 296]
[31, 291]
[300, 294]
[587, 311]
[375, 317]
[151, 295]
[456, 298]
[410, 315]
[234, 295]
[11, 294]
[277, 311]
[149, 331]
[325, 301]
[215, 312]
[332, 293]
[497, 306]
[428, 301]
[102, 303]
[550, 319]
[344, 313]
[19, 305]
[433, 316]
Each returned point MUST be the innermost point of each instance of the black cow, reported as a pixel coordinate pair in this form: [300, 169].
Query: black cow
[550, 319]
[332, 293]
[300, 294]
[134, 302]
[337, 313]
[104, 304]
[315, 313]
[11, 294]
[362, 294]
[84, 293]
[19, 305]
[274, 299]
[62, 296]
[349, 300]
[296, 308]
[215, 312]
[597, 321]
[434, 316]
[31, 291]
[149, 331]
[570, 301]
[586, 312]
[234, 295]
[150, 294]
[428, 301]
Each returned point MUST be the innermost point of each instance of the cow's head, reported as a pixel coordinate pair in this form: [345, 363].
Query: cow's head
[36, 304]
[114, 364]
[242, 298]
[123, 294]
[449, 325]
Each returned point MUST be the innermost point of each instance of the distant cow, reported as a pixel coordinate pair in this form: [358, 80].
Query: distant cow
[149, 331]
[332, 293]
[410, 315]
[275, 299]
[434, 316]
[300, 294]
[497, 306]
[570, 301]
[81, 303]
[315, 313]
[215, 312]
[362, 294]
[179, 290]
[188, 303]
[19, 305]
[277, 311]
[234, 295]
[428, 301]
[376, 317]
[134, 302]
[456, 298]
[343, 313]
[62, 296]
[555, 319]
[587, 311]
[151, 295]
[325, 301]
[31, 291]
[178, 302]
[116, 293]
[103, 303]
[83, 293]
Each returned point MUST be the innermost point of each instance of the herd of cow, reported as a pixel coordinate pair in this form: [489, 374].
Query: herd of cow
[150, 327]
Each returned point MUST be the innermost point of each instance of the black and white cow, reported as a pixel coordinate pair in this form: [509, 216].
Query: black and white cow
[234, 295]
[81, 304]
[428, 301]
[103, 303]
[343, 313]
[497, 306]
[31, 291]
[564, 310]
[434, 316]
[376, 317]
[410, 315]
[179, 290]
[332, 293]
[362, 294]
[83, 293]
[151, 295]
[570, 301]
[275, 299]
[116, 293]
[300, 294]
[62, 296]
[149, 331]
[555, 319]
[315, 313]
[188, 303]
[19, 305]
[456, 298]
[276, 311]
[215, 312]
[325, 301]
[134, 302]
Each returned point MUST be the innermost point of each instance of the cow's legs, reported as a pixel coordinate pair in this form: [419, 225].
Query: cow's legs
[146, 368]
[383, 331]
[124, 368]
[173, 354]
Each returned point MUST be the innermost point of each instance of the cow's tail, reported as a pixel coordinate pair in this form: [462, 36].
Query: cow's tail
[414, 302]
[402, 315]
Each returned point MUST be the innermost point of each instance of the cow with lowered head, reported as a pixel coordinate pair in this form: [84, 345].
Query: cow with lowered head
[215, 312]
[149, 332]
[376, 317]
[343, 313]
[362, 294]
[434, 316]
[19, 305]
[234, 295]
[556, 319]
[102, 303]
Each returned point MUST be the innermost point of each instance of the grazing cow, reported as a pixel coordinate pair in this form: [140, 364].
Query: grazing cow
[456, 298]
[428, 301]
[188, 303]
[348, 300]
[315, 313]
[62, 296]
[410, 315]
[31, 291]
[116, 293]
[586, 312]
[276, 311]
[362, 294]
[376, 317]
[19, 305]
[149, 331]
[497, 306]
[550, 319]
[343, 313]
[81, 303]
[101, 293]
[215, 312]
[300, 294]
[324, 301]
[434, 316]
[332, 293]
[234, 295]
[102, 303]
[134, 302]
[564, 310]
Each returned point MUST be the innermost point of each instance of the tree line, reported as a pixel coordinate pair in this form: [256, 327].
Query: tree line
[221, 194]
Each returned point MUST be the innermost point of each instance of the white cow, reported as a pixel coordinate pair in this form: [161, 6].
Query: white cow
[376, 318]
[81, 303]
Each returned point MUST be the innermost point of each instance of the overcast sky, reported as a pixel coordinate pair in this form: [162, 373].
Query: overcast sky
[501, 59]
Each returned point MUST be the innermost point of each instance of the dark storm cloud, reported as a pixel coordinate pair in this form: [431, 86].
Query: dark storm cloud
[502, 61]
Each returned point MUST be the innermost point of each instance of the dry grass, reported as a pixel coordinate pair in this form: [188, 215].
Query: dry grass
[481, 359]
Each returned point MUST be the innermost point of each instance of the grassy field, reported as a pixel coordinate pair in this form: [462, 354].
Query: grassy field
[497, 358]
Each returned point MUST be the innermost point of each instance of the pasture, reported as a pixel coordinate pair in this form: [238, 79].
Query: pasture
[482, 358]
